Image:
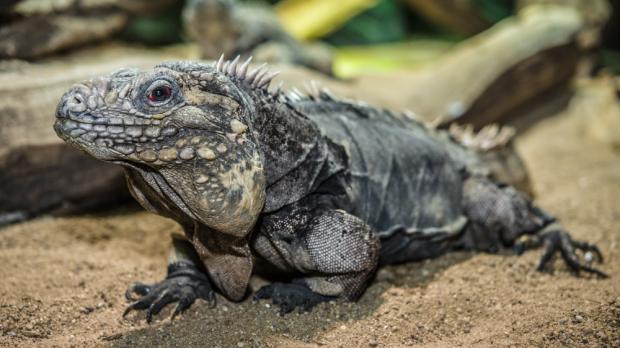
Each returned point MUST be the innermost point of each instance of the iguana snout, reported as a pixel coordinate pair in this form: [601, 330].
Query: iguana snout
[121, 116]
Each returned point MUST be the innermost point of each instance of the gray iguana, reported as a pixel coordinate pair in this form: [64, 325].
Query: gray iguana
[320, 189]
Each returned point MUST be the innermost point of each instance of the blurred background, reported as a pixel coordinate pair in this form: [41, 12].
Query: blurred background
[364, 35]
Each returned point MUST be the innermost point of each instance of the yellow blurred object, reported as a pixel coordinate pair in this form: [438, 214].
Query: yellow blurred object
[311, 19]
[353, 61]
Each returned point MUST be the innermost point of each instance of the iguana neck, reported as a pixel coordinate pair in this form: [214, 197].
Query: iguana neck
[296, 156]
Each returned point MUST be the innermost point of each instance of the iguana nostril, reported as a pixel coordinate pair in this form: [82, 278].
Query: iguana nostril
[75, 103]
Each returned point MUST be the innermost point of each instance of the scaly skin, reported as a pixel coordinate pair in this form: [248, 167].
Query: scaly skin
[324, 190]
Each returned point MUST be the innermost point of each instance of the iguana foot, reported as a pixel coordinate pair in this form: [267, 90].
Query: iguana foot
[556, 239]
[290, 296]
[183, 284]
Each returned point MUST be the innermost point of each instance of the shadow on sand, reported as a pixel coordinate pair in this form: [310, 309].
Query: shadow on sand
[253, 324]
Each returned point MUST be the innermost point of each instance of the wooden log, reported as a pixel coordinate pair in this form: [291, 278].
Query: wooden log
[486, 77]
[595, 14]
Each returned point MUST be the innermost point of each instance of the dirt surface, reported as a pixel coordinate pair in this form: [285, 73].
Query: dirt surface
[63, 279]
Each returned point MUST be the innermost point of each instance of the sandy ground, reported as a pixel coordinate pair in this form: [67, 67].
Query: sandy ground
[63, 279]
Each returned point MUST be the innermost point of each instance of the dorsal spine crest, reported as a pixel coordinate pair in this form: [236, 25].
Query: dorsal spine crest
[258, 78]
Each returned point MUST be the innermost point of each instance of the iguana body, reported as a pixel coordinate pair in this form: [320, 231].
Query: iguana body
[320, 189]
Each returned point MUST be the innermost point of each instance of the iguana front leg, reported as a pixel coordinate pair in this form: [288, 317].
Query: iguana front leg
[334, 252]
[184, 283]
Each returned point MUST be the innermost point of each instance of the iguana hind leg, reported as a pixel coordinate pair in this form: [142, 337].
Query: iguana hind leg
[184, 283]
[500, 215]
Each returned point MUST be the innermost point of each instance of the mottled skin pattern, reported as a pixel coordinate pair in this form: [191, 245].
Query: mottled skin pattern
[320, 189]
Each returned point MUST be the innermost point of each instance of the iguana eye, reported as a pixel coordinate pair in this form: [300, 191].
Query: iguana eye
[159, 93]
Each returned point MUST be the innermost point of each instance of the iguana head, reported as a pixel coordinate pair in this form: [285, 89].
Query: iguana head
[188, 122]
[187, 129]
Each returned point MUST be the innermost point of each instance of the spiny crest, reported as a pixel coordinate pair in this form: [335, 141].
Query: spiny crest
[313, 92]
[259, 77]
[488, 138]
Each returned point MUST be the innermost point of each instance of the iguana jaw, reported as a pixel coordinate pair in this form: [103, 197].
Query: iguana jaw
[111, 138]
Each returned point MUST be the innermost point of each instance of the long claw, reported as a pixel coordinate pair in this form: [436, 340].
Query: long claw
[547, 255]
[211, 300]
[156, 307]
[183, 304]
[176, 312]
[587, 247]
[137, 305]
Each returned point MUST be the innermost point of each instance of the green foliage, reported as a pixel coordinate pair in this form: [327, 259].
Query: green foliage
[496, 10]
[392, 20]
[385, 22]
[611, 59]
[159, 29]
[350, 61]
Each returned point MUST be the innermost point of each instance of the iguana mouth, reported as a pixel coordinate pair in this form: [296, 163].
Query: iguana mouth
[119, 134]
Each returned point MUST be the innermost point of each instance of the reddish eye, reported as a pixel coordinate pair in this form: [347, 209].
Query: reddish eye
[160, 94]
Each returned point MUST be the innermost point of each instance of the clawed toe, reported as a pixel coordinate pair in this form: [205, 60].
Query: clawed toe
[184, 287]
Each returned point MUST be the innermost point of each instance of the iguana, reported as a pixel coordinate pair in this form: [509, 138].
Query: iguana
[317, 188]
